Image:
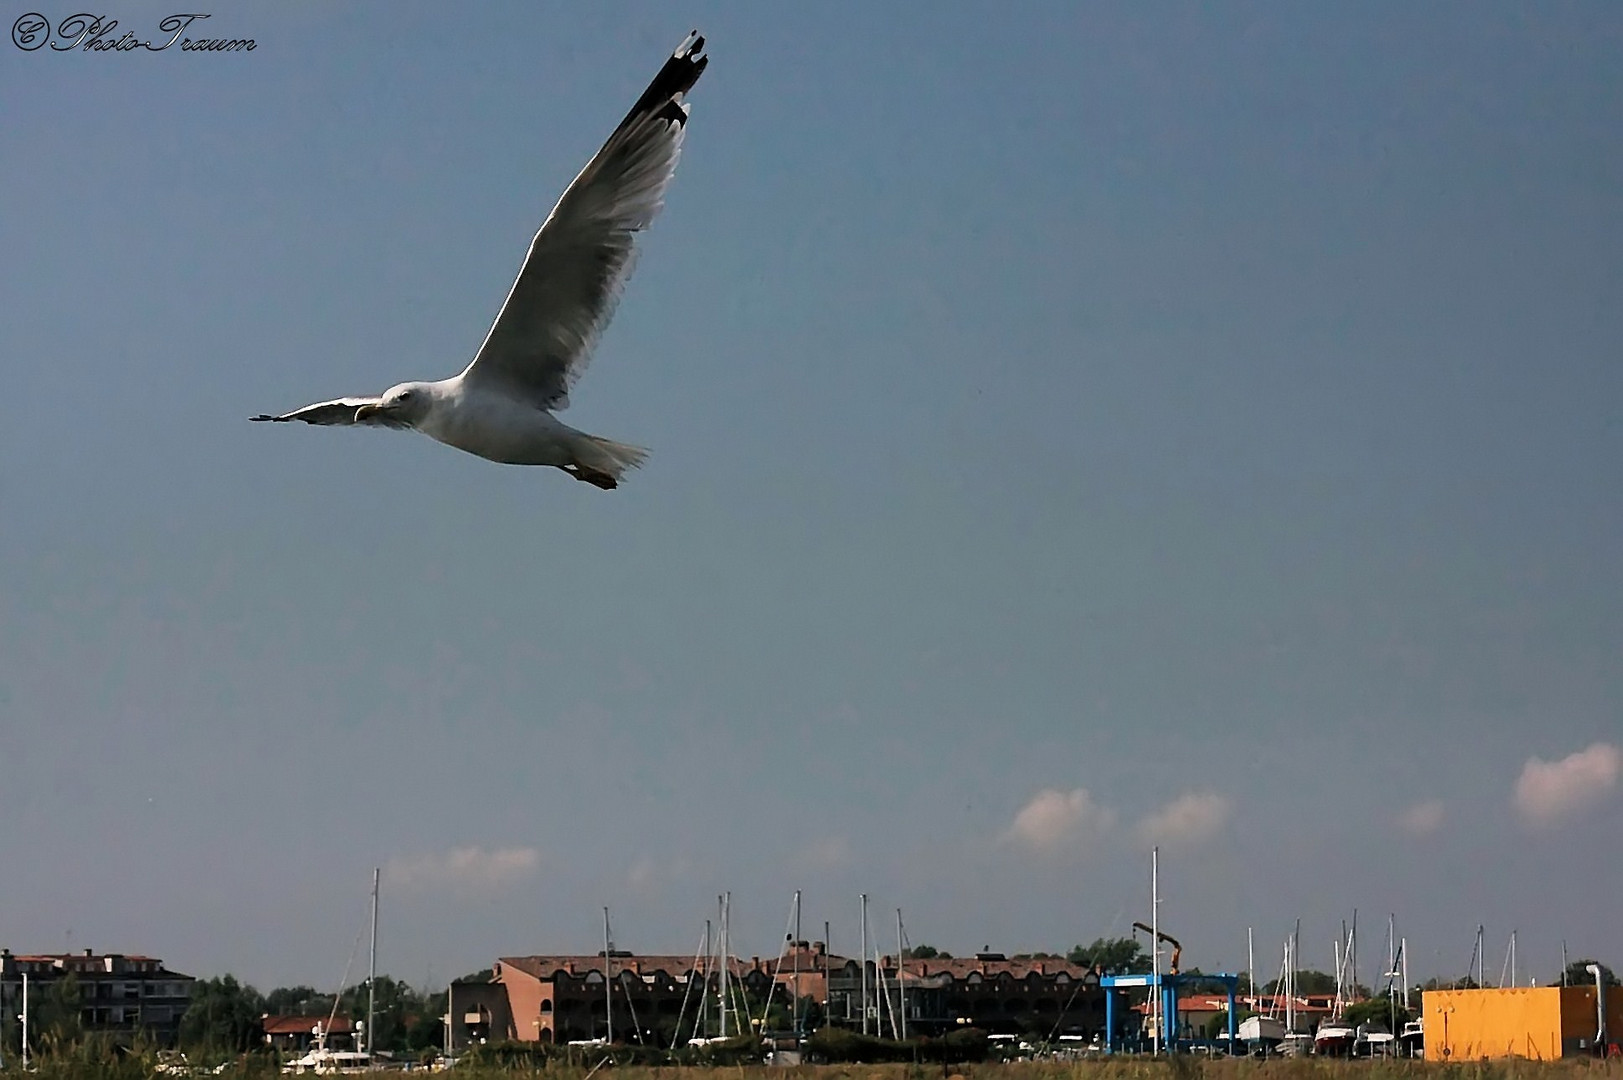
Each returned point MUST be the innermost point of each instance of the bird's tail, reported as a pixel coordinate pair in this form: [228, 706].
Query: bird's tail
[612, 458]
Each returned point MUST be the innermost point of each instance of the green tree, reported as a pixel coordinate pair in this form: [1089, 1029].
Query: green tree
[1219, 1023]
[298, 1001]
[925, 952]
[55, 1023]
[1378, 1010]
[223, 1017]
[1113, 956]
[396, 1007]
[1307, 981]
[1578, 974]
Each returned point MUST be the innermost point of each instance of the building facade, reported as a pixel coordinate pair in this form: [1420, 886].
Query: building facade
[124, 995]
[1039, 996]
[1538, 1022]
[629, 998]
[296, 1034]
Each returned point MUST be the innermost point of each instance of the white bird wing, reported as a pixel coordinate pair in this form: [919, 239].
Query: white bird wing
[337, 411]
[581, 257]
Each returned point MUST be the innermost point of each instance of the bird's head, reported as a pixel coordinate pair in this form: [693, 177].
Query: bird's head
[400, 406]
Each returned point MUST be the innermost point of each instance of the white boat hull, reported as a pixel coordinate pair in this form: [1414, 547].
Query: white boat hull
[1262, 1029]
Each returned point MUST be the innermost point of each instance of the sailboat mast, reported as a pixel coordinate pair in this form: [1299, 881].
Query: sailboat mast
[794, 1010]
[372, 971]
[1335, 1012]
[1352, 959]
[901, 983]
[1403, 951]
[1290, 998]
[1155, 945]
[704, 982]
[721, 956]
[1295, 948]
[1391, 950]
[608, 982]
[864, 897]
[1250, 968]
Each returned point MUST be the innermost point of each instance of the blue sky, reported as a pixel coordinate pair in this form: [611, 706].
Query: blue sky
[1074, 427]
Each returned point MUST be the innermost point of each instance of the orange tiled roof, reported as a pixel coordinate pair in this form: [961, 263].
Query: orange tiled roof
[963, 967]
[544, 967]
[302, 1025]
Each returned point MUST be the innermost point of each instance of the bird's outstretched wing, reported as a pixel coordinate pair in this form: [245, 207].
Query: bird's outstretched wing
[338, 411]
[580, 259]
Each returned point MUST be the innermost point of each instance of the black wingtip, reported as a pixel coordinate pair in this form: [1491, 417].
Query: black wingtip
[263, 417]
[676, 78]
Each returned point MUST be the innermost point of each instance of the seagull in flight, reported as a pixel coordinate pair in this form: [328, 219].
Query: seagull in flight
[501, 406]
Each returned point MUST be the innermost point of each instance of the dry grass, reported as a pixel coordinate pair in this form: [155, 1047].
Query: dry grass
[1121, 1068]
[1134, 1068]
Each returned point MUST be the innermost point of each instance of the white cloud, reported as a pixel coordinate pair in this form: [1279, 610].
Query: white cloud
[649, 875]
[1548, 791]
[464, 870]
[1188, 819]
[641, 873]
[1055, 819]
[1422, 819]
[825, 854]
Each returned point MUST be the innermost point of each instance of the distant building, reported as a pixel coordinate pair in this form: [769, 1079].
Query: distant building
[1538, 1022]
[1036, 996]
[296, 1034]
[1198, 1013]
[479, 1013]
[124, 995]
[560, 999]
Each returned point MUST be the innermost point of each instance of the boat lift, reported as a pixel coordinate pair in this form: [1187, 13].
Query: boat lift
[1167, 986]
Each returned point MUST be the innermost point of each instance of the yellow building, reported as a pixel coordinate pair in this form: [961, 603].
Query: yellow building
[1539, 1022]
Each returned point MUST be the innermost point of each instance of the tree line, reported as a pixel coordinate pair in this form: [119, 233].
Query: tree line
[227, 1017]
